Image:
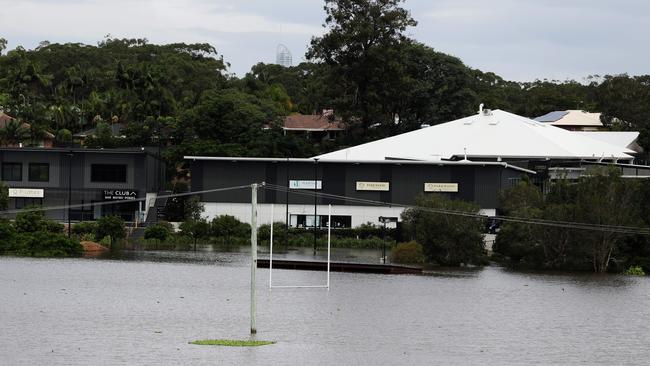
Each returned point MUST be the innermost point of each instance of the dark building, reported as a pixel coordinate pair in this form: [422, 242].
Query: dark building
[43, 177]
[396, 182]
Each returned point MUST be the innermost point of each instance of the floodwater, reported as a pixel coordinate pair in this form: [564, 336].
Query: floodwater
[144, 308]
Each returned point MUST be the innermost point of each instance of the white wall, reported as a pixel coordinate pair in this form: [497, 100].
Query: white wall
[360, 214]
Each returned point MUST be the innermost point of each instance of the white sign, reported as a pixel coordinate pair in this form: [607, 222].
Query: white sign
[441, 187]
[305, 184]
[373, 186]
[26, 192]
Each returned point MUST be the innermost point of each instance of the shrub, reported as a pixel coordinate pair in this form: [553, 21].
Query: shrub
[160, 231]
[106, 241]
[447, 240]
[410, 252]
[87, 227]
[44, 244]
[7, 236]
[32, 219]
[195, 229]
[635, 271]
[29, 220]
[279, 233]
[227, 227]
[112, 226]
[87, 237]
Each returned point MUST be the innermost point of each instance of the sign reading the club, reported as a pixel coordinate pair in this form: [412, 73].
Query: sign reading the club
[373, 186]
[305, 184]
[441, 187]
[119, 194]
[25, 193]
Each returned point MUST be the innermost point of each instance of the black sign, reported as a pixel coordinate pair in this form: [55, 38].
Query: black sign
[385, 220]
[119, 194]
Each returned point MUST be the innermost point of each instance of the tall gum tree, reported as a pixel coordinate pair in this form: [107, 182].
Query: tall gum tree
[361, 46]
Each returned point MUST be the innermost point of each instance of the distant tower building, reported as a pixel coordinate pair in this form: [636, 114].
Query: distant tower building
[283, 56]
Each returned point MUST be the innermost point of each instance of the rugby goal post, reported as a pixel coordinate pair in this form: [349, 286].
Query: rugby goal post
[329, 247]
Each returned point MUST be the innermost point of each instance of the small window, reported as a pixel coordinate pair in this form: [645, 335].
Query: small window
[12, 171]
[110, 173]
[28, 202]
[39, 172]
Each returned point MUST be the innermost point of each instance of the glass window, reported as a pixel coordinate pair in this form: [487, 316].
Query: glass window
[12, 171]
[111, 173]
[39, 172]
[28, 202]
[307, 221]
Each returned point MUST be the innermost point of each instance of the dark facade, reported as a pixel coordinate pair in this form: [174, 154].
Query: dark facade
[477, 182]
[44, 177]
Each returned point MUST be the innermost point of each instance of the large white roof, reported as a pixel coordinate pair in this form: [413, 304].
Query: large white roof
[488, 134]
[618, 138]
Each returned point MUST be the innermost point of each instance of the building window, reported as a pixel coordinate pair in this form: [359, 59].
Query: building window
[39, 172]
[307, 221]
[22, 202]
[12, 171]
[108, 173]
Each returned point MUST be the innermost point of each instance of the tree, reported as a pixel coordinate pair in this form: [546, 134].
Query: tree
[15, 133]
[110, 226]
[605, 198]
[195, 229]
[446, 239]
[160, 231]
[64, 137]
[3, 45]
[4, 196]
[227, 227]
[361, 48]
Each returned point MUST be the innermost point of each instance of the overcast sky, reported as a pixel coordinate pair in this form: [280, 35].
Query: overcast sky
[517, 39]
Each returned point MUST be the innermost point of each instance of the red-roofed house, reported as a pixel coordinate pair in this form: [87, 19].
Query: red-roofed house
[46, 141]
[316, 127]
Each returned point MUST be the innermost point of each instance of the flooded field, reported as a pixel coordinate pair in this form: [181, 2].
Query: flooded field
[144, 307]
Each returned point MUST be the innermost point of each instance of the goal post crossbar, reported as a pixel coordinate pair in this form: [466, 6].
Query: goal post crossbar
[329, 246]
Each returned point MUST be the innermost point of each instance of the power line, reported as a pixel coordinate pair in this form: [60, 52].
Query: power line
[108, 203]
[523, 220]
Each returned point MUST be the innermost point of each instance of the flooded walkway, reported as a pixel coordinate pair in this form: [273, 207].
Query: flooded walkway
[145, 310]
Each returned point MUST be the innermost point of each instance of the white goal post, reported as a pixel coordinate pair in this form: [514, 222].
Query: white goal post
[329, 244]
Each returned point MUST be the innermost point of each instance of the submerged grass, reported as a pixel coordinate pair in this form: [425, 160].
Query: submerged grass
[232, 343]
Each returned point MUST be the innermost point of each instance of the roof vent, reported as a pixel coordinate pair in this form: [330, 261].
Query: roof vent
[487, 112]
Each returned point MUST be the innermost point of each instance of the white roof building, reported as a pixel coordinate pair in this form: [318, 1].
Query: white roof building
[487, 135]
[618, 138]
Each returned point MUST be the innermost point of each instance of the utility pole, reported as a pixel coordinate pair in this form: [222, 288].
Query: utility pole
[286, 205]
[315, 201]
[253, 255]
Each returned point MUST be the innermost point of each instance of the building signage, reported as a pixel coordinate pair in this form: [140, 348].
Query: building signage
[305, 184]
[441, 187]
[119, 194]
[373, 186]
[25, 193]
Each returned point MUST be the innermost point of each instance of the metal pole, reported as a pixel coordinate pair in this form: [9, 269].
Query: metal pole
[286, 204]
[315, 200]
[383, 234]
[329, 242]
[271, 251]
[69, 190]
[253, 255]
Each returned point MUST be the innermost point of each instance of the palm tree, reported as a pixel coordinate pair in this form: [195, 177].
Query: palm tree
[15, 133]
